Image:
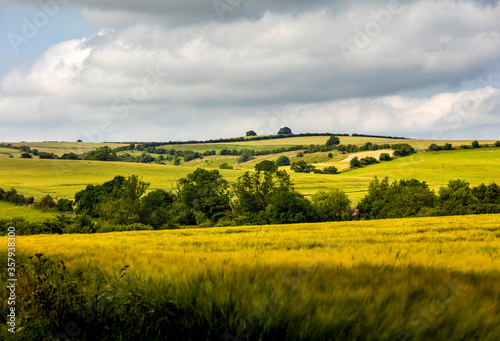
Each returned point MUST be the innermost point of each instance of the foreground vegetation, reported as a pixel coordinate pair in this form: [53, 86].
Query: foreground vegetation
[406, 279]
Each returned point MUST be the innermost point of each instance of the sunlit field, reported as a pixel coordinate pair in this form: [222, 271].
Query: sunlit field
[63, 178]
[368, 280]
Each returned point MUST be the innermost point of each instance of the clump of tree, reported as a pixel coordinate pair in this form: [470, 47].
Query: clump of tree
[50, 156]
[225, 165]
[283, 161]
[403, 149]
[102, 154]
[26, 156]
[333, 205]
[202, 197]
[384, 157]
[332, 141]
[266, 166]
[15, 198]
[326, 170]
[401, 199]
[251, 133]
[70, 156]
[302, 166]
[285, 131]
[269, 197]
[246, 155]
[435, 147]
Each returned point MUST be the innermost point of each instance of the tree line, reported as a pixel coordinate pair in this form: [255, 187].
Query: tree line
[266, 196]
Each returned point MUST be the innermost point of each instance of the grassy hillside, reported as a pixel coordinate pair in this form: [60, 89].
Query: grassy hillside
[9, 210]
[63, 178]
[426, 278]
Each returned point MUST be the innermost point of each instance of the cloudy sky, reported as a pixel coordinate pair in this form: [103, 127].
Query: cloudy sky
[110, 70]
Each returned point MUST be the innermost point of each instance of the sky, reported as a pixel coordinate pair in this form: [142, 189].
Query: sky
[109, 70]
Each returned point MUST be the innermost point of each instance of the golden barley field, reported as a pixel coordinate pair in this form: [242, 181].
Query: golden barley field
[407, 279]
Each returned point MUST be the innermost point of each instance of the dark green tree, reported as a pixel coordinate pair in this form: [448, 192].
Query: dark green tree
[155, 208]
[202, 195]
[266, 165]
[302, 167]
[26, 156]
[251, 133]
[64, 205]
[102, 154]
[475, 144]
[332, 141]
[283, 161]
[355, 163]
[333, 205]
[246, 155]
[285, 131]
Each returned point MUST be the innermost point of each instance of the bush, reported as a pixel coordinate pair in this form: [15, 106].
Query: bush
[333, 205]
[283, 161]
[64, 205]
[266, 166]
[46, 203]
[475, 144]
[251, 133]
[355, 163]
[497, 144]
[246, 155]
[26, 156]
[302, 167]
[330, 170]
[368, 161]
[290, 207]
[385, 157]
[332, 141]
[285, 131]
[225, 165]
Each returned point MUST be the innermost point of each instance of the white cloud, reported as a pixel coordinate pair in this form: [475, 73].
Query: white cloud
[221, 78]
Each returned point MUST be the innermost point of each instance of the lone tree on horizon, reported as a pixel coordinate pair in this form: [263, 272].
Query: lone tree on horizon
[251, 133]
[285, 131]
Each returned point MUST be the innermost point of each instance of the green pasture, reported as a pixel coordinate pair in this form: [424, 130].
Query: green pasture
[8, 211]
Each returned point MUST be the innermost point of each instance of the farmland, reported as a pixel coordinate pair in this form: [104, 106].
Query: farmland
[421, 278]
[393, 279]
[63, 178]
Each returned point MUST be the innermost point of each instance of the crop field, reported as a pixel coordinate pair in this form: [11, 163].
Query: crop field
[406, 279]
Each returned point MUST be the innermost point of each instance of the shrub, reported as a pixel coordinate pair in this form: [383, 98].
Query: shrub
[26, 156]
[266, 166]
[302, 167]
[64, 205]
[47, 202]
[333, 205]
[332, 141]
[475, 144]
[385, 157]
[225, 165]
[355, 163]
[330, 170]
[283, 161]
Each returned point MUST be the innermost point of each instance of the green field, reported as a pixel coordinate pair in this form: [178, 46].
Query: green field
[424, 278]
[8, 210]
[63, 178]
[403, 279]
